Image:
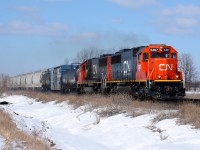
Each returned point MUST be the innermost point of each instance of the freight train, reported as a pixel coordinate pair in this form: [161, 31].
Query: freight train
[60, 78]
[151, 71]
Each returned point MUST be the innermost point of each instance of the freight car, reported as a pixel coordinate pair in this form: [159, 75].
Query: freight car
[61, 78]
[146, 72]
[27, 81]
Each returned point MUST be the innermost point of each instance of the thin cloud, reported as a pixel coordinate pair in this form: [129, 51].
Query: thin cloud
[178, 26]
[88, 39]
[117, 20]
[179, 31]
[87, 35]
[57, 0]
[27, 29]
[28, 13]
[26, 9]
[186, 22]
[182, 10]
[133, 3]
[179, 20]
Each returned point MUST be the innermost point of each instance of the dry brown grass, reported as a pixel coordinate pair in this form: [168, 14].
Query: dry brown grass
[189, 114]
[40, 96]
[11, 134]
[123, 103]
[163, 116]
[110, 105]
[1, 91]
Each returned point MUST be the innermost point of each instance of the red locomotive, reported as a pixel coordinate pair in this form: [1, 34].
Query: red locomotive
[146, 72]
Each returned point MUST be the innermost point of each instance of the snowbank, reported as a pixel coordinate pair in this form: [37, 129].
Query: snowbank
[2, 142]
[78, 130]
[192, 92]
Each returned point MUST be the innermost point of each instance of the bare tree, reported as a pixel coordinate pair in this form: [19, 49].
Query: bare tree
[88, 53]
[189, 69]
[4, 79]
[67, 61]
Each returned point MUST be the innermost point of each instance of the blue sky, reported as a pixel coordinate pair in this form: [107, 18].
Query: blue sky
[37, 34]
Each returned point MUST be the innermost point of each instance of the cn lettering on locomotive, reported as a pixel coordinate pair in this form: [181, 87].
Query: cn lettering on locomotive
[164, 67]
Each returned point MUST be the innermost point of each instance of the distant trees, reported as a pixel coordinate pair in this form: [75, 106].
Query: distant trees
[4, 79]
[88, 53]
[67, 61]
[189, 70]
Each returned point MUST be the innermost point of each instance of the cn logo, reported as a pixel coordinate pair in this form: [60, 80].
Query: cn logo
[94, 69]
[164, 67]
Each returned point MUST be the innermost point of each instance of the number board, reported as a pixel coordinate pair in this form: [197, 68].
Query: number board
[166, 49]
[154, 49]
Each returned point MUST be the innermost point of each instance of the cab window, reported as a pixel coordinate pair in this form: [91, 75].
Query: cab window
[164, 55]
[145, 56]
[160, 55]
[174, 55]
[154, 55]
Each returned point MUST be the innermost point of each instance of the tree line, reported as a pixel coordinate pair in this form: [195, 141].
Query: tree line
[190, 72]
[4, 79]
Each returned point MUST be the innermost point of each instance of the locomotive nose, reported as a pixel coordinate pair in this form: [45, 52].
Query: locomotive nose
[164, 69]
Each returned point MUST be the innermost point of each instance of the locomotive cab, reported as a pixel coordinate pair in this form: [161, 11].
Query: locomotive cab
[161, 63]
[158, 67]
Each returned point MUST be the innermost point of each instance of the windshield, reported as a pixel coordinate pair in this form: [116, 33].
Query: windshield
[159, 55]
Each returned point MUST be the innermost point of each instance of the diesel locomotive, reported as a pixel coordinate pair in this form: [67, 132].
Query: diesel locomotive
[152, 71]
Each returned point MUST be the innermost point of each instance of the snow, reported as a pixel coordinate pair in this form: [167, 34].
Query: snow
[79, 130]
[192, 92]
[2, 142]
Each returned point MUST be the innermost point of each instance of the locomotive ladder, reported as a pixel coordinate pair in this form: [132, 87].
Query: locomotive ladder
[104, 82]
[148, 82]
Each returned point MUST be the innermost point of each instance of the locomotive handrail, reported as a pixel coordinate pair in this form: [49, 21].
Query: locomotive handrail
[183, 73]
[148, 69]
[150, 77]
[103, 81]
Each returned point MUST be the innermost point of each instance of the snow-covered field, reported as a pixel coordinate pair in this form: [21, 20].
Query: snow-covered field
[1, 142]
[192, 92]
[79, 130]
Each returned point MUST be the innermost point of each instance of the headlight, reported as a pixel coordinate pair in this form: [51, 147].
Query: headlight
[177, 76]
[159, 76]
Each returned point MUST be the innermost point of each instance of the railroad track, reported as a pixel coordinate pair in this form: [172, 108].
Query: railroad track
[191, 100]
[179, 101]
